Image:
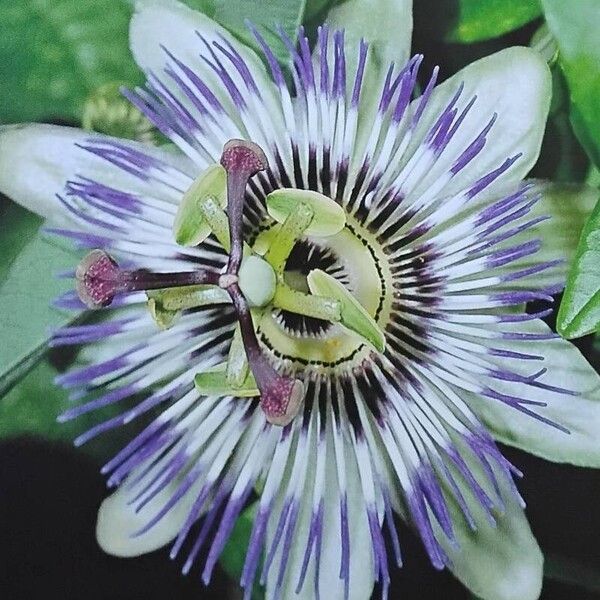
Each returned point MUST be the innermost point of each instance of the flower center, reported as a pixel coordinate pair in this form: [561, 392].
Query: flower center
[307, 292]
[305, 343]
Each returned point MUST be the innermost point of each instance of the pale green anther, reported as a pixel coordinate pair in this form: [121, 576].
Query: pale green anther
[237, 361]
[165, 306]
[294, 226]
[190, 227]
[214, 383]
[182, 298]
[163, 317]
[309, 305]
[257, 280]
[329, 217]
[216, 219]
[353, 314]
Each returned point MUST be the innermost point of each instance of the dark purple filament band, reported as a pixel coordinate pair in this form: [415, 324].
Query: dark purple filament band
[241, 160]
[280, 396]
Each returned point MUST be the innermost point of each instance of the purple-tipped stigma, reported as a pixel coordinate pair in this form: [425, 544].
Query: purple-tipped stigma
[99, 279]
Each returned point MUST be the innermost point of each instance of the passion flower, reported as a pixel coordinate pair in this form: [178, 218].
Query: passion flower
[316, 299]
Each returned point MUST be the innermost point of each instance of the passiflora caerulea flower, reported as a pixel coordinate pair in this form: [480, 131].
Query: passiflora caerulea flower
[315, 296]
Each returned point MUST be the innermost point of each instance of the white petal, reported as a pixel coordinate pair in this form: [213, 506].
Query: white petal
[118, 522]
[177, 27]
[361, 557]
[159, 25]
[567, 368]
[515, 83]
[496, 563]
[37, 160]
[386, 25]
[500, 559]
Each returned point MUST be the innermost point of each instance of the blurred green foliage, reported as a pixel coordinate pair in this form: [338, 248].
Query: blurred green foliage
[31, 409]
[56, 52]
[579, 312]
[28, 284]
[478, 20]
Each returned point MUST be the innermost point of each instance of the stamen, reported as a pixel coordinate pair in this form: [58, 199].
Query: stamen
[237, 361]
[99, 279]
[166, 306]
[301, 212]
[241, 160]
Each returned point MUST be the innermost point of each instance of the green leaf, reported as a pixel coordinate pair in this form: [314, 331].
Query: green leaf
[593, 177]
[576, 27]
[61, 51]
[579, 312]
[32, 406]
[234, 554]
[28, 284]
[479, 20]
[562, 159]
[56, 52]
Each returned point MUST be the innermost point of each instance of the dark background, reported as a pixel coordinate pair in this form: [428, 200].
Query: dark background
[50, 495]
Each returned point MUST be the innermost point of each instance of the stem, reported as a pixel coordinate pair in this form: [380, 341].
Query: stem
[253, 350]
[318, 307]
[99, 278]
[241, 160]
[280, 396]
